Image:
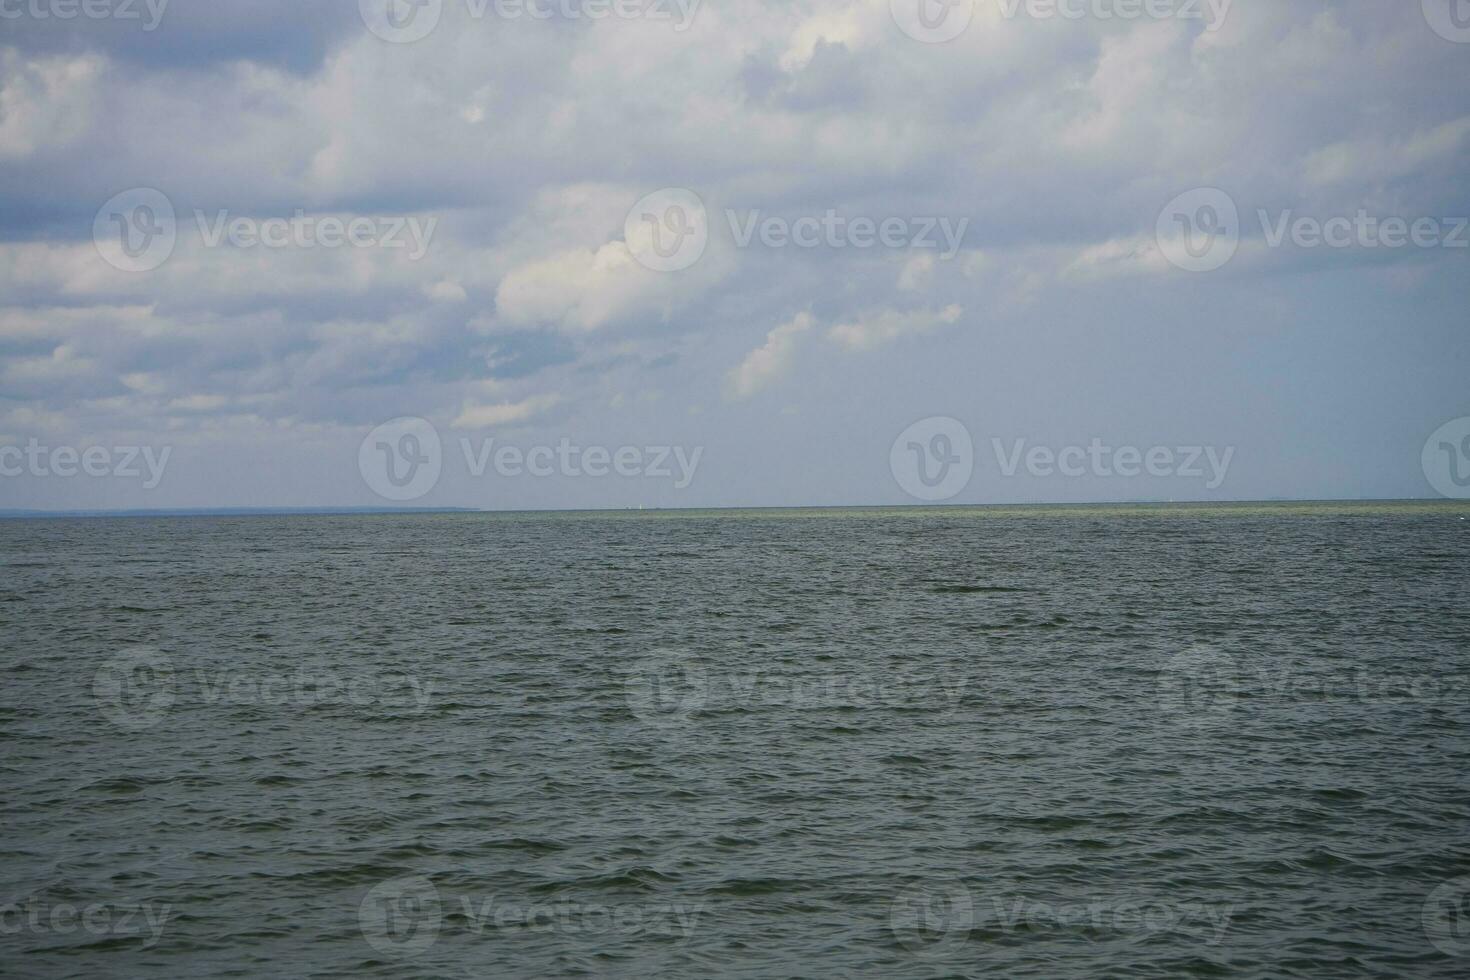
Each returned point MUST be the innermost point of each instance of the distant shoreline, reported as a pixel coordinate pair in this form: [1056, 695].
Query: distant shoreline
[1090, 506]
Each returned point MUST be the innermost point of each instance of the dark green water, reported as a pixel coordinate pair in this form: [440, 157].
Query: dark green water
[1143, 741]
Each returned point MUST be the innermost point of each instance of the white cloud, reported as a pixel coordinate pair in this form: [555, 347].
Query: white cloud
[45, 101]
[875, 329]
[474, 416]
[771, 360]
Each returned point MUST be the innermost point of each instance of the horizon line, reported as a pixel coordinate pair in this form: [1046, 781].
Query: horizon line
[360, 511]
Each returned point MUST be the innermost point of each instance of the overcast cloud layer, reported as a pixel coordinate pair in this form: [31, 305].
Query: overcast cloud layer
[1034, 159]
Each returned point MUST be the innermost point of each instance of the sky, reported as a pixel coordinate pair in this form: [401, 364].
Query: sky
[522, 254]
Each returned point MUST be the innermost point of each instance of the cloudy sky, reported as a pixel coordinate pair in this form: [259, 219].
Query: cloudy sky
[748, 252]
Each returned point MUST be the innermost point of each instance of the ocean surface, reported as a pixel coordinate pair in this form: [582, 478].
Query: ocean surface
[1068, 742]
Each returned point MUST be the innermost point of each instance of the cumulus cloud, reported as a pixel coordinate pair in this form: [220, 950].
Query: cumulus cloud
[770, 361]
[528, 141]
[880, 327]
[473, 416]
